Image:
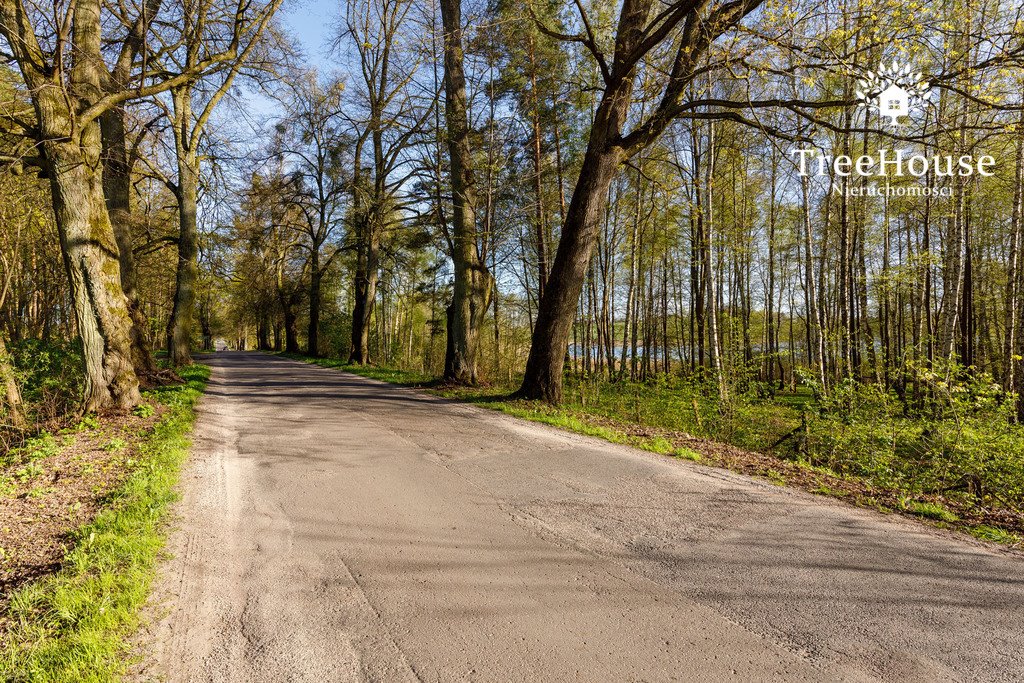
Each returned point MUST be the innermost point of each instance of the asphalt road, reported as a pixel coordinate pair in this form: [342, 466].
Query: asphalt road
[333, 528]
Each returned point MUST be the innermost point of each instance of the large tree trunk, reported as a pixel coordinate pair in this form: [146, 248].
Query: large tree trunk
[117, 190]
[179, 327]
[91, 258]
[543, 378]
[473, 283]
[557, 309]
[606, 149]
[11, 397]
[73, 152]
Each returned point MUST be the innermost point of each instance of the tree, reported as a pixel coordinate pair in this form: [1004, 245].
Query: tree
[10, 400]
[473, 285]
[68, 99]
[118, 162]
[698, 26]
[69, 96]
[208, 28]
[314, 147]
[268, 270]
[389, 122]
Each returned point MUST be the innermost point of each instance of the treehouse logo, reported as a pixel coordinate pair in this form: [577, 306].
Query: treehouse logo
[894, 91]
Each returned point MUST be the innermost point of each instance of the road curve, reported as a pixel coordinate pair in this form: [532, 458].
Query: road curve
[333, 528]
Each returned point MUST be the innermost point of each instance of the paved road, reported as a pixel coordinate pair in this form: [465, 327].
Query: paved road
[338, 529]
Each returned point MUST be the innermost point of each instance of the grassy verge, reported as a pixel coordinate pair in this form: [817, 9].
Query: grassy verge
[74, 625]
[752, 439]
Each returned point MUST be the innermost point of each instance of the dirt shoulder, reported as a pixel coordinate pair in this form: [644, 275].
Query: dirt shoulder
[57, 483]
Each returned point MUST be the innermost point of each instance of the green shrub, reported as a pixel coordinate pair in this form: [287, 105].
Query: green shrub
[144, 410]
[50, 376]
[955, 438]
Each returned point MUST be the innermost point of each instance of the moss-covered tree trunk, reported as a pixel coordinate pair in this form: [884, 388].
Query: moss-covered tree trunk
[72, 147]
[91, 258]
[10, 400]
[117, 190]
[11, 396]
[117, 187]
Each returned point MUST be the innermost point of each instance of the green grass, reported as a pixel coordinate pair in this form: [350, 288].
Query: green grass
[996, 535]
[74, 625]
[930, 510]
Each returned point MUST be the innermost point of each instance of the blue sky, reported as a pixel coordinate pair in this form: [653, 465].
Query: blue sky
[312, 23]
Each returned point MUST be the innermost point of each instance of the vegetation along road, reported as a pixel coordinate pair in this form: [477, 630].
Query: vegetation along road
[337, 528]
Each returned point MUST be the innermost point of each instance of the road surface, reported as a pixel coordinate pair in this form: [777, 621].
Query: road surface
[334, 528]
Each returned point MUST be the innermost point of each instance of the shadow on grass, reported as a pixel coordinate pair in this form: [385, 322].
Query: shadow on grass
[481, 394]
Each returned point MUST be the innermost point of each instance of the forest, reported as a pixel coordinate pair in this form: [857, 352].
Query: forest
[794, 228]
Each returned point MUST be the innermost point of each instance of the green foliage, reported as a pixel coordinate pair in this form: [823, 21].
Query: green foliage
[990, 533]
[49, 376]
[88, 422]
[35, 448]
[144, 410]
[930, 510]
[29, 471]
[687, 404]
[74, 625]
[114, 445]
[956, 438]
[41, 446]
[687, 454]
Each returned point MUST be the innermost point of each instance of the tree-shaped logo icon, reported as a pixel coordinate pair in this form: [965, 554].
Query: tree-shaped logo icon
[893, 91]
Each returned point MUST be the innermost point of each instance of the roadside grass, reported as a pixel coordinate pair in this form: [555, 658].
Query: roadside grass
[929, 510]
[772, 439]
[74, 625]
